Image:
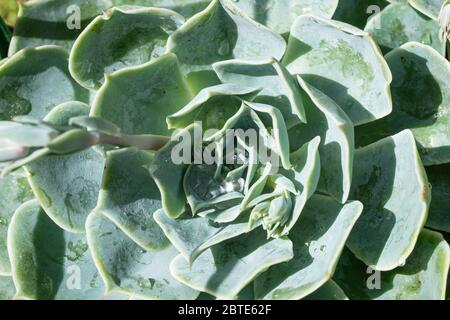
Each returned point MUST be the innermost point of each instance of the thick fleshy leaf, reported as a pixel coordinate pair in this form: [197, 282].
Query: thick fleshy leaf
[421, 97]
[439, 215]
[358, 12]
[67, 186]
[389, 179]
[279, 88]
[169, 175]
[186, 8]
[44, 22]
[221, 32]
[431, 8]
[120, 38]
[327, 120]
[212, 106]
[344, 63]
[329, 291]
[129, 196]
[192, 236]
[279, 15]
[5, 38]
[7, 288]
[14, 191]
[25, 79]
[128, 268]
[225, 269]
[318, 238]
[399, 23]
[138, 99]
[48, 262]
[423, 277]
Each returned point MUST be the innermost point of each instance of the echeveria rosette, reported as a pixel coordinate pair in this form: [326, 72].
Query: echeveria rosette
[306, 220]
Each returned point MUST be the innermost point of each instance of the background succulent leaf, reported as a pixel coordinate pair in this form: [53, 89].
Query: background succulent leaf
[118, 39]
[128, 268]
[399, 23]
[439, 217]
[14, 191]
[344, 63]
[138, 99]
[221, 32]
[430, 8]
[329, 291]
[327, 120]
[132, 208]
[389, 179]
[225, 269]
[279, 15]
[5, 38]
[318, 238]
[423, 276]
[49, 22]
[424, 108]
[67, 186]
[358, 12]
[46, 260]
[23, 78]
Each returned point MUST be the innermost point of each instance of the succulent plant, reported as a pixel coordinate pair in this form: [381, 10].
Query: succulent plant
[225, 150]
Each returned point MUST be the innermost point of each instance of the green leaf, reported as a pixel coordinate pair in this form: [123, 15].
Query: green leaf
[399, 23]
[431, 8]
[25, 79]
[329, 291]
[439, 217]
[279, 15]
[423, 107]
[45, 22]
[423, 277]
[358, 12]
[138, 99]
[225, 269]
[128, 268]
[186, 8]
[67, 186]
[14, 191]
[48, 262]
[389, 179]
[7, 288]
[95, 124]
[221, 32]
[129, 197]
[279, 88]
[318, 238]
[5, 38]
[192, 236]
[344, 63]
[26, 135]
[327, 120]
[120, 38]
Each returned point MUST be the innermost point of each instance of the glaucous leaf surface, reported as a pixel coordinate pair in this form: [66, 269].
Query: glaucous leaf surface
[24, 80]
[14, 191]
[399, 23]
[48, 262]
[120, 38]
[7, 288]
[389, 179]
[422, 277]
[67, 186]
[359, 12]
[138, 99]
[327, 120]
[344, 63]
[431, 8]
[49, 22]
[318, 239]
[127, 268]
[439, 215]
[129, 196]
[329, 291]
[279, 15]
[278, 87]
[186, 8]
[221, 32]
[225, 269]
